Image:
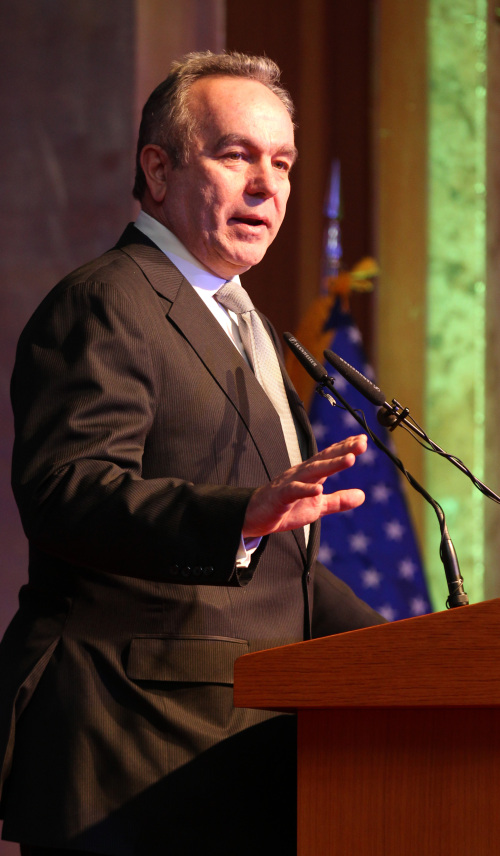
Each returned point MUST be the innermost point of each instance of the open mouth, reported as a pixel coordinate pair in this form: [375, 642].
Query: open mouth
[249, 221]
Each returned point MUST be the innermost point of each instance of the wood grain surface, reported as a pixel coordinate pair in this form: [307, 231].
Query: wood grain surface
[398, 782]
[443, 659]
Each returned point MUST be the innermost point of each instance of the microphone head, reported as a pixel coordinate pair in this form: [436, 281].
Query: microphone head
[315, 369]
[360, 382]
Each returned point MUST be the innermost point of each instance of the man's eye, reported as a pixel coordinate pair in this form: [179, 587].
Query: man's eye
[236, 156]
[283, 165]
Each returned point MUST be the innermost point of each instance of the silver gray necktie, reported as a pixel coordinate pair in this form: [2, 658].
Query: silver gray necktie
[262, 356]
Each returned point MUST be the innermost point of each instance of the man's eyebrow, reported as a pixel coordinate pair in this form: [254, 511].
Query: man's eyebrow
[238, 140]
[291, 152]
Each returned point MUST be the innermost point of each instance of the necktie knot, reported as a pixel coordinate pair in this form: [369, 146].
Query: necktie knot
[234, 297]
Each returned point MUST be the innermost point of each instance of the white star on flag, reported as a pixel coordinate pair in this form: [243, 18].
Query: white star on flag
[394, 530]
[339, 381]
[418, 606]
[319, 431]
[368, 458]
[381, 492]
[387, 611]
[371, 578]
[349, 422]
[359, 542]
[369, 372]
[325, 554]
[407, 569]
[354, 335]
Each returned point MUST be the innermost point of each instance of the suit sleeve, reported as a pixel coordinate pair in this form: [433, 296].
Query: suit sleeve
[83, 394]
[336, 609]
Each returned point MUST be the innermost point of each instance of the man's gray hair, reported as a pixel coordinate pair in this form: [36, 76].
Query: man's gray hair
[166, 118]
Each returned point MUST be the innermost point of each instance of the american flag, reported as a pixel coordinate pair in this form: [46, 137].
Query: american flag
[372, 548]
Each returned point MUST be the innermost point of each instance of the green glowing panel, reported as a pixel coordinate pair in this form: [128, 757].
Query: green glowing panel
[455, 375]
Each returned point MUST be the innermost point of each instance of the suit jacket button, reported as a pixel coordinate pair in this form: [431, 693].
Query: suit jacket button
[208, 571]
[186, 571]
[173, 570]
[197, 571]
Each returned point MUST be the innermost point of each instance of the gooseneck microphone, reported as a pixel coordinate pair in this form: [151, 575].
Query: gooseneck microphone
[457, 595]
[360, 382]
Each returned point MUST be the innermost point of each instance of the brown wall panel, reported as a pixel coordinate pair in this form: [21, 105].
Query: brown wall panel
[65, 179]
[324, 51]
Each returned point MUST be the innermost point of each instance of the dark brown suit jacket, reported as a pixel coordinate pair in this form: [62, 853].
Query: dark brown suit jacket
[140, 434]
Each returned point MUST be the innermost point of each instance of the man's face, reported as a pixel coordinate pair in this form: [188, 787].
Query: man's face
[227, 204]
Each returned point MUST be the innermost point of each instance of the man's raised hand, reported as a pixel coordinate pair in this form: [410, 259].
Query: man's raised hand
[296, 498]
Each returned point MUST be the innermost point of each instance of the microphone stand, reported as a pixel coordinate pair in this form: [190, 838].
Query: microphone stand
[457, 596]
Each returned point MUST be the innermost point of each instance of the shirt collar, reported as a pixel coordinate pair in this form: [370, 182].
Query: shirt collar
[189, 266]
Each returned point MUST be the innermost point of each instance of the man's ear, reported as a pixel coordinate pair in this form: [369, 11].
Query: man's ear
[155, 164]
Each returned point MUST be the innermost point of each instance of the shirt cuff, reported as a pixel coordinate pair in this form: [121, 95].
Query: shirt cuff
[245, 550]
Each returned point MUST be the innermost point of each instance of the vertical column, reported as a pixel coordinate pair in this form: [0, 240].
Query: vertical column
[492, 456]
[400, 157]
[456, 278]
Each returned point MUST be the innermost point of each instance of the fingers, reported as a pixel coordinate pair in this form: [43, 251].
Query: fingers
[331, 460]
[296, 497]
[351, 445]
[266, 515]
[318, 470]
[343, 500]
[324, 503]
[291, 491]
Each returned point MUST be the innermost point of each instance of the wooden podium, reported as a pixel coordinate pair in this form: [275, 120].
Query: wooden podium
[398, 734]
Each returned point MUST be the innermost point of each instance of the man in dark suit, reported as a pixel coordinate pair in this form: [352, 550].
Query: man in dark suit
[169, 533]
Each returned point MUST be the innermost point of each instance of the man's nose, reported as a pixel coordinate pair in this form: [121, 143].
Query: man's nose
[262, 180]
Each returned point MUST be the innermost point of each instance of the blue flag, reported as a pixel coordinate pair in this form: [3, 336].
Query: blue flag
[372, 548]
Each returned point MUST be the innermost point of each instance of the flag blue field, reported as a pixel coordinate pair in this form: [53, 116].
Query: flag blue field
[372, 548]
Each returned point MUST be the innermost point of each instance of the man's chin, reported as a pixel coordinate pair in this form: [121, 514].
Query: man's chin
[235, 263]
